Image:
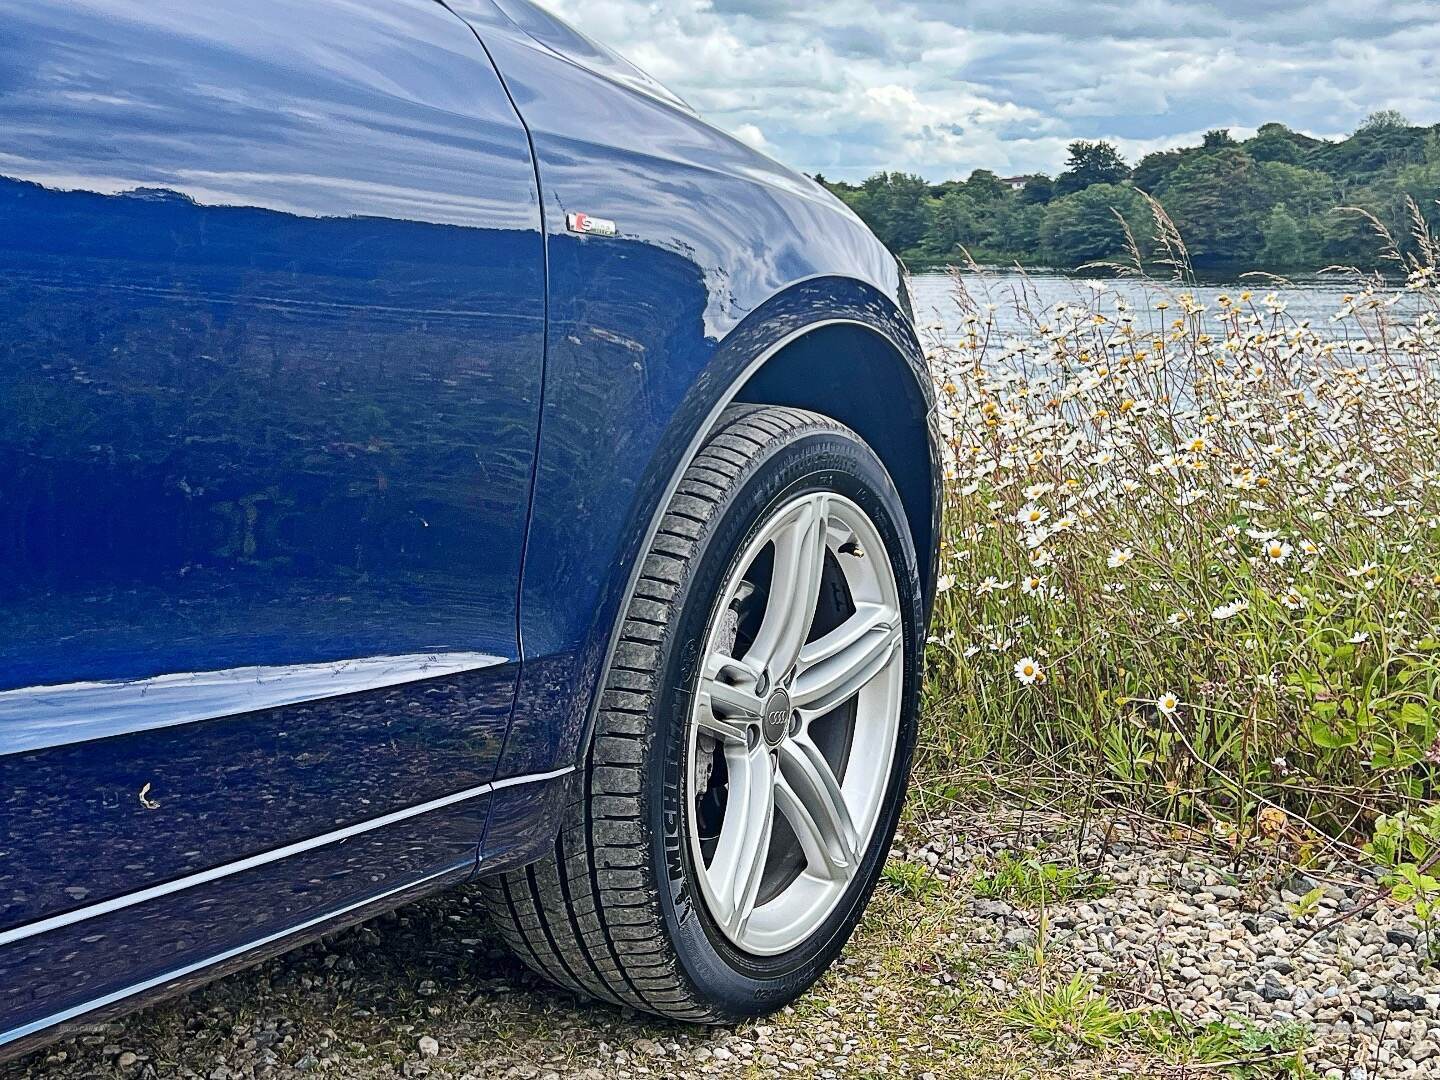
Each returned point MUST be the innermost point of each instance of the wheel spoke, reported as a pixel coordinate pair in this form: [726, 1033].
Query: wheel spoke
[764, 705]
[794, 589]
[809, 795]
[838, 666]
[868, 619]
[739, 864]
[727, 699]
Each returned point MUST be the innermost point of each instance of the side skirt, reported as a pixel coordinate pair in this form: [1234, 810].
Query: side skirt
[97, 962]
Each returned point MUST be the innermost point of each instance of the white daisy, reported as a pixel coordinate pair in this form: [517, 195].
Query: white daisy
[1277, 551]
[1028, 671]
[1032, 515]
[1230, 610]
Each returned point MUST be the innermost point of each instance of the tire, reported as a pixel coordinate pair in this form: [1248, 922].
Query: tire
[628, 907]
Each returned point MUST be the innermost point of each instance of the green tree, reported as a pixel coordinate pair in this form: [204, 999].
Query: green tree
[1038, 190]
[1083, 227]
[1091, 163]
[1420, 184]
[1219, 203]
[897, 207]
[1369, 153]
[956, 222]
[1285, 246]
[1276, 142]
[1251, 205]
[1155, 169]
[984, 186]
[1349, 239]
[1395, 198]
[1308, 193]
[1015, 229]
[1384, 119]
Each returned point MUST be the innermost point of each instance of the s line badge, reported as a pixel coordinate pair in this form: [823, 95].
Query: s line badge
[591, 226]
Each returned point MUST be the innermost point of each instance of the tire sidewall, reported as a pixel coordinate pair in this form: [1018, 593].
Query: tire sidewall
[808, 459]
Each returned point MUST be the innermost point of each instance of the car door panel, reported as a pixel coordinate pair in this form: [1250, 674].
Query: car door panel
[271, 345]
[180, 800]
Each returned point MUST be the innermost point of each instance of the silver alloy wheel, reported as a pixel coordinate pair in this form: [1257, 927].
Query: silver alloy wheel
[795, 719]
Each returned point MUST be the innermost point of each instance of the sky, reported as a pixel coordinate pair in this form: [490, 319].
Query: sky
[943, 87]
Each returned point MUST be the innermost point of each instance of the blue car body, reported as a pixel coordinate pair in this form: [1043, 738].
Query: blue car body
[328, 447]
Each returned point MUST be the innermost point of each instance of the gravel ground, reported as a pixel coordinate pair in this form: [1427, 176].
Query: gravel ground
[1191, 936]
[955, 939]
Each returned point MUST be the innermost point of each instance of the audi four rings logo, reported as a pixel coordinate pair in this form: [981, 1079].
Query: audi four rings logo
[775, 720]
[591, 226]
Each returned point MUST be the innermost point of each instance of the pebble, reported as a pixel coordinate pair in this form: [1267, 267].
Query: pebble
[1185, 928]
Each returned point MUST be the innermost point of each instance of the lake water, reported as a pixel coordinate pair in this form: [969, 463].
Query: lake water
[1011, 292]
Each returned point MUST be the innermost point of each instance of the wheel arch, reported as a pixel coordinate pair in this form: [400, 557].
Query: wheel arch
[853, 373]
[845, 362]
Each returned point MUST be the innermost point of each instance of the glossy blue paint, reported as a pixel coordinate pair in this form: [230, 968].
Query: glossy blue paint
[134, 952]
[721, 255]
[521, 817]
[327, 450]
[271, 347]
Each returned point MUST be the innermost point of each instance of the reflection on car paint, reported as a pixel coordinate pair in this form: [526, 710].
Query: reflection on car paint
[722, 255]
[48, 716]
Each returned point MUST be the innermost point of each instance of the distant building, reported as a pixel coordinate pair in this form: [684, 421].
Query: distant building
[1015, 183]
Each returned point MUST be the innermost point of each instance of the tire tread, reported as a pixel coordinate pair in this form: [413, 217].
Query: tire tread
[587, 916]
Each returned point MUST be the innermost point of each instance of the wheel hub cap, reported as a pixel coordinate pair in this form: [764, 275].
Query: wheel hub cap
[775, 724]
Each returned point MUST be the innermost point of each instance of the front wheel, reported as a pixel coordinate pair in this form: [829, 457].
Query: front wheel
[753, 740]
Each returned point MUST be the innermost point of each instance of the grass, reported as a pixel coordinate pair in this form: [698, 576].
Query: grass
[1190, 556]
[1032, 882]
[911, 881]
[1077, 1016]
[1070, 1015]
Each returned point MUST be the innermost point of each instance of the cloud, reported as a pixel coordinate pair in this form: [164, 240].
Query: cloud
[847, 88]
[753, 136]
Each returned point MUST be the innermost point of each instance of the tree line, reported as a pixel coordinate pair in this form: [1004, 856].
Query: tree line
[1280, 201]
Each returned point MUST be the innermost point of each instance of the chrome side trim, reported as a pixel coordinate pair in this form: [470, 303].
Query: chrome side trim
[119, 903]
[37, 1026]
